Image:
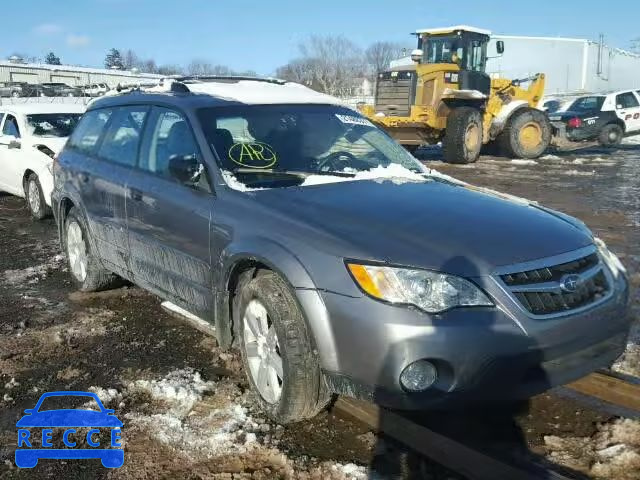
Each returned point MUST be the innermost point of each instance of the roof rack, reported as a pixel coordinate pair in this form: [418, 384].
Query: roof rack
[226, 79]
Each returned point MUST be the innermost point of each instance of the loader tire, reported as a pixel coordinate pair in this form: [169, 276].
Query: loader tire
[526, 135]
[463, 137]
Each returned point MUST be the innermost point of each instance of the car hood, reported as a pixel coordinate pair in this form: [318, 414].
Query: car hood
[435, 224]
[69, 418]
[54, 143]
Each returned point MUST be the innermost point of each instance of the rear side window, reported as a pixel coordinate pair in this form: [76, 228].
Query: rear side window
[626, 100]
[122, 139]
[89, 130]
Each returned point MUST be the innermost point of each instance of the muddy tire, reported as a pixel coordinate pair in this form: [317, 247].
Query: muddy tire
[35, 198]
[611, 135]
[85, 269]
[463, 137]
[526, 135]
[277, 350]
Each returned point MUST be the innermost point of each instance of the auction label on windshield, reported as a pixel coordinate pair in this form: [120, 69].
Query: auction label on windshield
[353, 120]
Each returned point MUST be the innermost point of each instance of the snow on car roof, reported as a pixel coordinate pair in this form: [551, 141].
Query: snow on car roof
[257, 92]
[35, 108]
[466, 28]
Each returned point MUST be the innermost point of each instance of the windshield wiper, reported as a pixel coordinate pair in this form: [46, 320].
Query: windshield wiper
[297, 173]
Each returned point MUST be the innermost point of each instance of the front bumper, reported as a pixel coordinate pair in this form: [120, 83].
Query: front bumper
[480, 353]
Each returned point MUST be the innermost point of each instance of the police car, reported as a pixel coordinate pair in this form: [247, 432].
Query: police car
[603, 118]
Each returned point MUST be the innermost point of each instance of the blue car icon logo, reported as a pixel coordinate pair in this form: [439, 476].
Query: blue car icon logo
[33, 446]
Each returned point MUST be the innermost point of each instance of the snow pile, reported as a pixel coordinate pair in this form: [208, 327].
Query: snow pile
[235, 184]
[551, 157]
[32, 275]
[394, 171]
[204, 421]
[523, 161]
[612, 452]
[634, 140]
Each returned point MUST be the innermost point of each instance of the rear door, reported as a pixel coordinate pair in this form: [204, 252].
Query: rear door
[168, 218]
[628, 110]
[104, 150]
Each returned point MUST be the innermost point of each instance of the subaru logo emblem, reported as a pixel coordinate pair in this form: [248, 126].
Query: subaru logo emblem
[570, 283]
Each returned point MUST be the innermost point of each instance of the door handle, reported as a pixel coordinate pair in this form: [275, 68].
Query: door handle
[136, 195]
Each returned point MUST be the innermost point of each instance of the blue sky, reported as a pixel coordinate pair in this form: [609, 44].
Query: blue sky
[261, 35]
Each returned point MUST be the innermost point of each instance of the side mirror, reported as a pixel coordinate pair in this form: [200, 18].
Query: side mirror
[15, 144]
[500, 47]
[416, 55]
[184, 168]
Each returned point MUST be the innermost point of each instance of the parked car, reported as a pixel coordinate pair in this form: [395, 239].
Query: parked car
[13, 89]
[63, 90]
[37, 90]
[605, 118]
[332, 258]
[96, 89]
[30, 135]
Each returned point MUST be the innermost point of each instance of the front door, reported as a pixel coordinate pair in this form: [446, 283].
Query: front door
[628, 110]
[168, 216]
[11, 167]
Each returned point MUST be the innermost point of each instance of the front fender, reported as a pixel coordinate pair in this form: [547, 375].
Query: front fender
[283, 261]
[500, 121]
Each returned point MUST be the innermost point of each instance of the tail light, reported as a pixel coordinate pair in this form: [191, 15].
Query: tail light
[574, 122]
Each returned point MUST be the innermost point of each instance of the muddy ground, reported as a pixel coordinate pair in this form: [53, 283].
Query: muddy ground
[185, 404]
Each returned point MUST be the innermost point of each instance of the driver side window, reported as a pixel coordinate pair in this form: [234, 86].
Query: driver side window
[11, 127]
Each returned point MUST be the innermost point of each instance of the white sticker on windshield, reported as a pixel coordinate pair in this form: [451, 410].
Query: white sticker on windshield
[353, 120]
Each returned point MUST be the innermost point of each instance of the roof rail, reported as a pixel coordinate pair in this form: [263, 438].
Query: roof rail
[227, 79]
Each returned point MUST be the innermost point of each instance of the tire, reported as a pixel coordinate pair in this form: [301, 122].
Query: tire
[611, 135]
[526, 135]
[281, 332]
[35, 198]
[463, 137]
[15, 94]
[88, 276]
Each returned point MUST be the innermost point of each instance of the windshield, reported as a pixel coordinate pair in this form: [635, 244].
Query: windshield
[587, 103]
[306, 139]
[467, 52]
[52, 124]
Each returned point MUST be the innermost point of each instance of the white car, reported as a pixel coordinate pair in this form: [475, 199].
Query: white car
[96, 89]
[31, 134]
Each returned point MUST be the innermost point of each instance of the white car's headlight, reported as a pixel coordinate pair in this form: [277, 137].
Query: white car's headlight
[610, 258]
[433, 292]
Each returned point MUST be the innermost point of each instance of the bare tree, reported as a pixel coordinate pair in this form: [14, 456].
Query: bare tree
[635, 45]
[299, 70]
[130, 60]
[380, 54]
[170, 69]
[335, 63]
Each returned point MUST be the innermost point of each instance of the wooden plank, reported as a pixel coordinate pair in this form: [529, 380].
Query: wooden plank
[443, 450]
[609, 389]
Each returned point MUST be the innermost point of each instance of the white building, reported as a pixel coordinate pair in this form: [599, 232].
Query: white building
[571, 65]
[74, 76]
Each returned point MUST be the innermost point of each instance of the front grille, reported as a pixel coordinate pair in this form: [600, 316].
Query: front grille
[540, 291]
[544, 303]
[548, 274]
[395, 93]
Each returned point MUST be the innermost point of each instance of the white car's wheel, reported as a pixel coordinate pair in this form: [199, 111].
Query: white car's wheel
[35, 198]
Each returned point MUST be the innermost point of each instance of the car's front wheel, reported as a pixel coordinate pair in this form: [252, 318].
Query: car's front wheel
[87, 273]
[35, 198]
[277, 349]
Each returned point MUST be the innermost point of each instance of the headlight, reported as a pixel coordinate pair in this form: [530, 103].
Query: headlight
[431, 291]
[610, 258]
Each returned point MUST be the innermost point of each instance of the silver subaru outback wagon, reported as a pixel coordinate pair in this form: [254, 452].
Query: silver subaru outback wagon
[328, 255]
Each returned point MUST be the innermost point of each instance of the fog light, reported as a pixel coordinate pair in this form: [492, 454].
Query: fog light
[418, 376]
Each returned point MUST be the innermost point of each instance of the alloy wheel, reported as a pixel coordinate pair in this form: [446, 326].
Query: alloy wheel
[263, 351]
[33, 196]
[76, 251]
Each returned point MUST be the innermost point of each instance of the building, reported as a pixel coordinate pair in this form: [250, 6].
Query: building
[571, 65]
[75, 76]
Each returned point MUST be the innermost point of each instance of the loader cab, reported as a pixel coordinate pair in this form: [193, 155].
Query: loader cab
[461, 52]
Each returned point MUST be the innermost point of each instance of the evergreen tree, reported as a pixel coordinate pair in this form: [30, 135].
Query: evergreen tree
[52, 59]
[114, 59]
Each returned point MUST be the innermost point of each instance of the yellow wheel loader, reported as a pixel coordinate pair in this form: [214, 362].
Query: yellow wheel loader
[446, 96]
